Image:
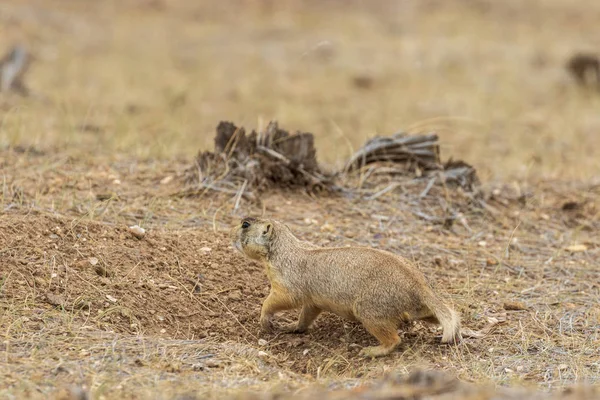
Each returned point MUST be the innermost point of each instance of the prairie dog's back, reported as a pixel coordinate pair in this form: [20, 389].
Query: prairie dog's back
[343, 271]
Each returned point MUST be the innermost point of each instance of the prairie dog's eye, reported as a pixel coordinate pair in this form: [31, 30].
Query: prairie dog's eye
[245, 225]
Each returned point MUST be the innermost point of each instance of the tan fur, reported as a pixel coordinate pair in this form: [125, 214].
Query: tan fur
[377, 288]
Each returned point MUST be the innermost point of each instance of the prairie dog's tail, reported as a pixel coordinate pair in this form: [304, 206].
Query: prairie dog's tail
[447, 317]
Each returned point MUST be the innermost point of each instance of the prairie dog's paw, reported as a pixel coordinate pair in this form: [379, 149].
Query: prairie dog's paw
[293, 328]
[266, 324]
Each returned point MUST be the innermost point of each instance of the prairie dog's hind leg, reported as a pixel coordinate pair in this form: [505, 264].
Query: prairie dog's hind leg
[387, 334]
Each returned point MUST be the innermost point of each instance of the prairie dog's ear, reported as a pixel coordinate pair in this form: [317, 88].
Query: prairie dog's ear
[267, 230]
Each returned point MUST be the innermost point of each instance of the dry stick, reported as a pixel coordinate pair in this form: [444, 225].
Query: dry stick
[507, 251]
[428, 188]
[91, 284]
[239, 196]
[391, 187]
[191, 294]
[214, 220]
[273, 154]
[232, 142]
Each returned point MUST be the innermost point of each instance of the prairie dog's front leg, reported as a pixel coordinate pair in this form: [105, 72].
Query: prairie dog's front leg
[308, 314]
[275, 302]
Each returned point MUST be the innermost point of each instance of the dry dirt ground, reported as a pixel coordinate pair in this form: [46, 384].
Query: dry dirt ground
[128, 92]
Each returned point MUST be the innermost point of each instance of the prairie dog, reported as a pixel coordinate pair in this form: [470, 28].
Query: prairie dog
[375, 287]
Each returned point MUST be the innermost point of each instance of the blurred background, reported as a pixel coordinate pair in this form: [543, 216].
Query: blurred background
[152, 78]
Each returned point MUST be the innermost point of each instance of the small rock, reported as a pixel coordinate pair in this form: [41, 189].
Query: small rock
[93, 260]
[111, 299]
[235, 296]
[212, 364]
[263, 354]
[297, 341]
[163, 331]
[137, 231]
[106, 196]
[327, 228]
[54, 300]
[482, 243]
[262, 342]
[577, 248]
[514, 306]
[166, 180]
[562, 367]
[571, 205]
[350, 234]
[205, 249]
[305, 352]
[491, 261]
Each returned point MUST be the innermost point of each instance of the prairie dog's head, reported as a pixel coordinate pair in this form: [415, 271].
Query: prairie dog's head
[252, 237]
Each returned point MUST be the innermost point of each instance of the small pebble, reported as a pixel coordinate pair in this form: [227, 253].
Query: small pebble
[137, 231]
[577, 248]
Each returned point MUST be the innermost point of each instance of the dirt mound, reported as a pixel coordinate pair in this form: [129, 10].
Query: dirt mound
[176, 284]
[105, 275]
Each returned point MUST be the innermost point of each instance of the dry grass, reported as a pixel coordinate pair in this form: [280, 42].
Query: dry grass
[488, 77]
[130, 91]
